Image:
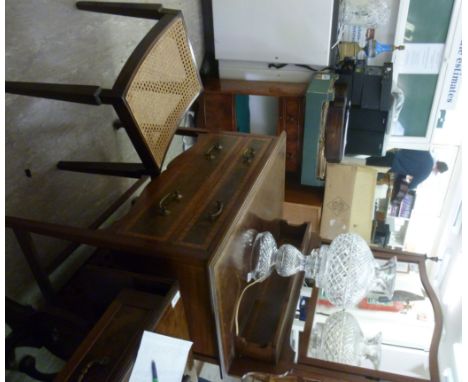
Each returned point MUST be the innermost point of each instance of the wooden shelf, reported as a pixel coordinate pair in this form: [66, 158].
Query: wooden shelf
[263, 88]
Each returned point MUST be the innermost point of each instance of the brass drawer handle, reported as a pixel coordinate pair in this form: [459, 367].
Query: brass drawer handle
[291, 119]
[167, 199]
[97, 362]
[210, 153]
[219, 210]
[248, 155]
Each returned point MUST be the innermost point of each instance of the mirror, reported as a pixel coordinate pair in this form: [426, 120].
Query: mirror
[256, 114]
[392, 213]
[378, 337]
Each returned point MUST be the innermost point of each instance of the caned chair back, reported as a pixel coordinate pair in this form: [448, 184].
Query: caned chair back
[162, 87]
[154, 89]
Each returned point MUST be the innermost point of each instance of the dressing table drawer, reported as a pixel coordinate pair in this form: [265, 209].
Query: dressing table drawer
[176, 197]
[223, 199]
[109, 351]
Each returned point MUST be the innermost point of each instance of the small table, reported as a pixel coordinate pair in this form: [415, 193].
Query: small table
[185, 217]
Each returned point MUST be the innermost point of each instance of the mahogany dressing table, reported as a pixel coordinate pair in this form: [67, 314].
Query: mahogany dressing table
[193, 223]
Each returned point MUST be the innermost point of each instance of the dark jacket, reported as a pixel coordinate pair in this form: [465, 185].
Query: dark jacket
[417, 163]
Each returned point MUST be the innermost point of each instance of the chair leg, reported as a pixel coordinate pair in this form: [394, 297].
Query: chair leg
[29, 250]
[117, 124]
[86, 94]
[146, 11]
[128, 170]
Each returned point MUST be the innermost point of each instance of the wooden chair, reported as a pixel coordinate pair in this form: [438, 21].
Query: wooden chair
[90, 289]
[157, 85]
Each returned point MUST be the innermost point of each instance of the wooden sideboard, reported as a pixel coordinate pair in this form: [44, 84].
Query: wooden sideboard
[218, 110]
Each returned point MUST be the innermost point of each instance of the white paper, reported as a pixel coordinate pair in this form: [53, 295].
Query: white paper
[421, 58]
[170, 355]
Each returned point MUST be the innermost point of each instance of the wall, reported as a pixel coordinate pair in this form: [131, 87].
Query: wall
[298, 31]
[52, 41]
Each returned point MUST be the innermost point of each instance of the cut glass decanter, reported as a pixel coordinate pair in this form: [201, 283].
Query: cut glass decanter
[346, 270]
[341, 340]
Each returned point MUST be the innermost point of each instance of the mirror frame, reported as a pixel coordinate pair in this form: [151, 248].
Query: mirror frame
[380, 253]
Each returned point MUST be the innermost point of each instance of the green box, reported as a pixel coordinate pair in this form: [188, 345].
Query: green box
[320, 90]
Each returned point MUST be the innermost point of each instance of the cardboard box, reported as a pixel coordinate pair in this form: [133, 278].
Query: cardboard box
[348, 204]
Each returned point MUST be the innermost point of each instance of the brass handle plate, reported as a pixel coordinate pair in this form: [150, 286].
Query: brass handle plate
[166, 200]
[210, 154]
[291, 119]
[248, 155]
[97, 362]
[218, 211]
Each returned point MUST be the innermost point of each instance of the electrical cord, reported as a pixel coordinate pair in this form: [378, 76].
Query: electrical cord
[261, 279]
[280, 66]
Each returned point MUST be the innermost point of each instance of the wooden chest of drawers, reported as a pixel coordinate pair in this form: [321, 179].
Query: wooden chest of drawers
[218, 110]
[188, 213]
[291, 120]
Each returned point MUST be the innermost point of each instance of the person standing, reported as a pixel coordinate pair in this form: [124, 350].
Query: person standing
[416, 163]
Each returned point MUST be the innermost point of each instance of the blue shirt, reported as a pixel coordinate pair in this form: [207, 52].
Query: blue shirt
[417, 163]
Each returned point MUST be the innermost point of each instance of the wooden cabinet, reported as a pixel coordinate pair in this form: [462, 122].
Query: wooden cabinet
[291, 120]
[218, 110]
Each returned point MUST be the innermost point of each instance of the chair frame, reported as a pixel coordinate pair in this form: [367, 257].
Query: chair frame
[20, 317]
[95, 95]
[42, 274]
